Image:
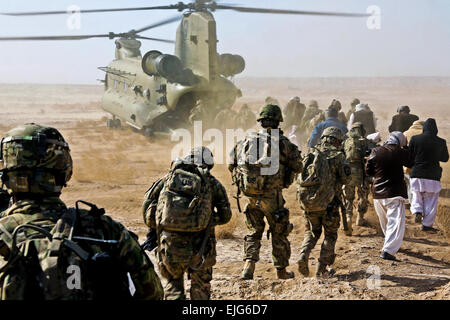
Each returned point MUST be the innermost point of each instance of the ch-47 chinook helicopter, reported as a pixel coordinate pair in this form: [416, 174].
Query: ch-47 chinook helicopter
[155, 92]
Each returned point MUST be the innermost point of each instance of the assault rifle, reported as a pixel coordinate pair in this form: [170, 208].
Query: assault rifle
[338, 201]
[198, 260]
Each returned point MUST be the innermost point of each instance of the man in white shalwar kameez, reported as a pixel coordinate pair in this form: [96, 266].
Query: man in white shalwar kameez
[425, 195]
[427, 151]
[385, 164]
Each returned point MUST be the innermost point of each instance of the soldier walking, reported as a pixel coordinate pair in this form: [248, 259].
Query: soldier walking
[245, 118]
[356, 148]
[353, 105]
[325, 171]
[264, 190]
[182, 209]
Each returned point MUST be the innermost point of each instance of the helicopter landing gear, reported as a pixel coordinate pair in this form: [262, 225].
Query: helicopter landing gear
[148, 132]
[113, 123]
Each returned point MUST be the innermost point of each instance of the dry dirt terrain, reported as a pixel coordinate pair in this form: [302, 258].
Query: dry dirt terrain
[114, 168]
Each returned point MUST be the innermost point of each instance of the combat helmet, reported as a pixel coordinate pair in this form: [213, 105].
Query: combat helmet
[313, 103]
[272, 112]
[355, 102]
[36, 160]
[333, 132]
[201, 156]
[359, 126]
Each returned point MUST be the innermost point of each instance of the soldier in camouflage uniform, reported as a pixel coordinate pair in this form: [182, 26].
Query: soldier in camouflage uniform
[356, 147]
[307, 125]
[204, 111]
[269, 203]
[225, 119]
[245, 118]
[328, 219]
[293, 113]
[37, 165]
[177, 251]
[353, 105]
[341, 115]
[5, 199]
[311, 111]
[271, 100]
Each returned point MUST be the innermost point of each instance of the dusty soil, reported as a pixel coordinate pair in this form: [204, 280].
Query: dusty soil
[113, 168]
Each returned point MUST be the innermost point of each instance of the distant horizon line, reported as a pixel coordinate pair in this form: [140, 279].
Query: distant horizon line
[249, 77]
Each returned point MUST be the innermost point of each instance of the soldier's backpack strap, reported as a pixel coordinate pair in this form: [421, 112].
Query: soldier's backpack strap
[63, 234]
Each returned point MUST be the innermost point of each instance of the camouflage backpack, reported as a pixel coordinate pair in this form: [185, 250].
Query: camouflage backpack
[252, 158]
[354, 148]
[50, 262]
[314, 184]
[185, 201]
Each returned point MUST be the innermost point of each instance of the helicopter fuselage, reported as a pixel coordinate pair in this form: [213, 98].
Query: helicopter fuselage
[156, 91]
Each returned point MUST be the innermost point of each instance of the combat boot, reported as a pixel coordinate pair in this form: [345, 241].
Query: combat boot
[303, 265]
[249, 269]
[349, 230]
[283, 274]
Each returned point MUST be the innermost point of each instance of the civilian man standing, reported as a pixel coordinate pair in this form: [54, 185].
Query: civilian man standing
[427, 150]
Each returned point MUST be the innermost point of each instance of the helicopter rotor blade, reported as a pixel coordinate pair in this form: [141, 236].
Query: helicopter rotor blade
[110, 35]
[283, 11]
[154, 39]
[40, 13]
[158, 24]
[44, 38]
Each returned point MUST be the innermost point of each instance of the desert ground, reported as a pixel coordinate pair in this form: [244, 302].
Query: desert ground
[114, 168]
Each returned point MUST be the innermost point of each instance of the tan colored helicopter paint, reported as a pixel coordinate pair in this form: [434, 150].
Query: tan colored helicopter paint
[135, 97]
[196, 44]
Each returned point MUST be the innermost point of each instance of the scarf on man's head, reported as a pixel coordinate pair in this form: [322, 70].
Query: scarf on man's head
[397, 138]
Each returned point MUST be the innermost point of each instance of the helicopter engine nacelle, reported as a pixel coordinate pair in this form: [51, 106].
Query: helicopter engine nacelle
[230, 64]
[154, 63]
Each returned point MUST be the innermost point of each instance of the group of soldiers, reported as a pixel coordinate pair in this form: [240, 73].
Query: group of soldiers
[50, 251]
[223, 118]
[326, 177]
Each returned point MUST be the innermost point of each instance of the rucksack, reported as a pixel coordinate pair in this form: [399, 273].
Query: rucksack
[185, 201]
[50, 262]
[253, 156]
[315, 184]
[354, 148]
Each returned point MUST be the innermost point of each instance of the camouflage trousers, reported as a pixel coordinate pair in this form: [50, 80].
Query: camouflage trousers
[272, 208]
[362, 187]
[314, 222]
[175, 253]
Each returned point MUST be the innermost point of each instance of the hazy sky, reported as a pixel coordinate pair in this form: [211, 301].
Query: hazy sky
[414, 39]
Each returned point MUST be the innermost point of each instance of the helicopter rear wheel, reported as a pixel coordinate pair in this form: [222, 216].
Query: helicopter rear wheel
[113, 123]
[148, 132]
